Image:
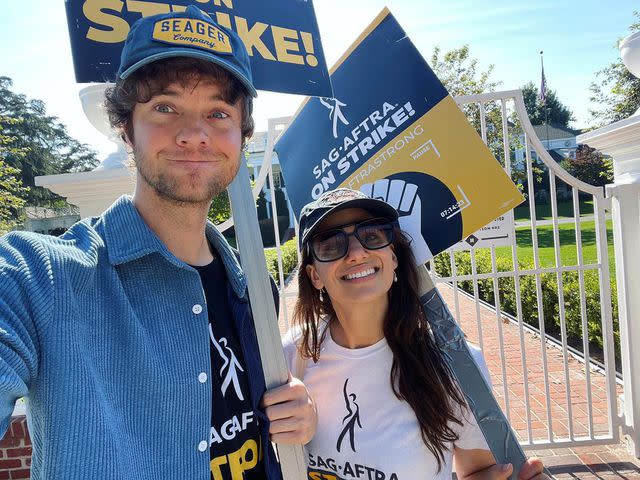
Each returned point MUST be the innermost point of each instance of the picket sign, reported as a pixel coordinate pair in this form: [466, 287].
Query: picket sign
[495, 427]
[276, 373]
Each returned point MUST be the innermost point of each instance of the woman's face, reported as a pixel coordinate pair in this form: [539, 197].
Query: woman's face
[361, 276]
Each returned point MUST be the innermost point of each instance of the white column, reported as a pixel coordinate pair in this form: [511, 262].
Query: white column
[93, 192]
[621, 141]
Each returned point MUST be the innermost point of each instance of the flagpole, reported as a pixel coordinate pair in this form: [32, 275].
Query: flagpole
[543, 97]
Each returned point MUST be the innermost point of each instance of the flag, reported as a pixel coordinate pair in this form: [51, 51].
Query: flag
[543, 84]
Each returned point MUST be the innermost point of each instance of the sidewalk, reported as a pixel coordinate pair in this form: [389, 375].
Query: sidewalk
[587, 462]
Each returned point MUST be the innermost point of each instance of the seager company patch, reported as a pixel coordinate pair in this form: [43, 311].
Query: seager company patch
[193, 33]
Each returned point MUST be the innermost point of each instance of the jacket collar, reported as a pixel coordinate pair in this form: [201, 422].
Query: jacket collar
[129, 238]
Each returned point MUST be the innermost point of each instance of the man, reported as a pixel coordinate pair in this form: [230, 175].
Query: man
[131, 335]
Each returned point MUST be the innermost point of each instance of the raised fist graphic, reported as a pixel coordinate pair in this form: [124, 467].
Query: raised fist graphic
[404, 198]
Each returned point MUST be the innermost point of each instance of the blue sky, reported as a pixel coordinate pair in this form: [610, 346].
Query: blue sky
[577, 36]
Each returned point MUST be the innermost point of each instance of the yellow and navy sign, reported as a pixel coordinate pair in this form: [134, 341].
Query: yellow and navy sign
[192, 33]
[281, 36]
[394, 132]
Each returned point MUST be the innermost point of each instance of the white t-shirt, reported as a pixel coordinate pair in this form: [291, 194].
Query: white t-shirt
[364, 431]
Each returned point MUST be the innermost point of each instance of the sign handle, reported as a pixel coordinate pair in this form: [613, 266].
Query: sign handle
[448, 335]
[292, 458]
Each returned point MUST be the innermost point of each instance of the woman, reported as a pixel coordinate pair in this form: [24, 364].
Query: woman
[388, 407]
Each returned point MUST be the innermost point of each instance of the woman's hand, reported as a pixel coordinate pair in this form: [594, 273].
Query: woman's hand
[292, 413]
[531, 470]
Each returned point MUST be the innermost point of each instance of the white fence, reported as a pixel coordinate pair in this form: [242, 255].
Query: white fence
[571, 410]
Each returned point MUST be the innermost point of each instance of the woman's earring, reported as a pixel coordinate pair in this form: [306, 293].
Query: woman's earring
[320, 294]
[395, 276]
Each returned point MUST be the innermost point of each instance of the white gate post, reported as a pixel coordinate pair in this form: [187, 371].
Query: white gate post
[621, 140]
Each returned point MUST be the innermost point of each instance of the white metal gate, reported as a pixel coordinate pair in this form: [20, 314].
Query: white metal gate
[554, 394]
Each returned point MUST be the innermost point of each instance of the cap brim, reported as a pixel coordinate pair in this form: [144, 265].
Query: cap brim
[376, 207]
[177, 52]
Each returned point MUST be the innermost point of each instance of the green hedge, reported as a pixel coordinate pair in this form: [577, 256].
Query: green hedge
[528, 296]
[289, 258]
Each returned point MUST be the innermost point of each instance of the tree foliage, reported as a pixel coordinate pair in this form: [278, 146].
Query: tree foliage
[12, 192]
[590, 166]
[616, 91]
[11, 197]
[552, 112]
[220, 209]
[44, 145]
[460, 74]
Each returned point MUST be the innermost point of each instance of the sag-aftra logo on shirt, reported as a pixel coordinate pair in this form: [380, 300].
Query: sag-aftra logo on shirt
[350, 420]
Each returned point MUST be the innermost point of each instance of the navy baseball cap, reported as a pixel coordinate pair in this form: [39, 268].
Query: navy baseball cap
[191, 33]
[335, 200]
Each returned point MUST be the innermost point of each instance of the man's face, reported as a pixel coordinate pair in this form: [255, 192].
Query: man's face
[187, 142]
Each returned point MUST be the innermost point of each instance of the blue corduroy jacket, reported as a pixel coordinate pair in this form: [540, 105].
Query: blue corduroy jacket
[100, 329]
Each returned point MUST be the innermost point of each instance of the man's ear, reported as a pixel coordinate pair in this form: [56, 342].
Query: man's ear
[314, 277]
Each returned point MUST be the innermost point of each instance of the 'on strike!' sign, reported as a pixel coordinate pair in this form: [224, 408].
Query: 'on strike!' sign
[394, 132]
[281, 37]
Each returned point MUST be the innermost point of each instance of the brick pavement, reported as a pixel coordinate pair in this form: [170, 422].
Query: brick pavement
[585, 462]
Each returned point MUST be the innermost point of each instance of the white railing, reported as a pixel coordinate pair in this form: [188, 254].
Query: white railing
[570, 420]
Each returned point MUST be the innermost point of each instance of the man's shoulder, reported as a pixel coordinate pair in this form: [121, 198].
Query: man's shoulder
[81, 243]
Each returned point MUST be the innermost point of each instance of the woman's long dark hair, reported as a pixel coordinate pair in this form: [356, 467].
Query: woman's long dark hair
[419, 373]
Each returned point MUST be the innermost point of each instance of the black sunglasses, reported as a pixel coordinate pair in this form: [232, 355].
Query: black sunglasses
[333, 244]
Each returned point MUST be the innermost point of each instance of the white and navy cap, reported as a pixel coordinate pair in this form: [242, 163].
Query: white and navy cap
[191, 33]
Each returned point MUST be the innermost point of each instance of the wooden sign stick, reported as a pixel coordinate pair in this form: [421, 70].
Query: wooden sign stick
[276, 373]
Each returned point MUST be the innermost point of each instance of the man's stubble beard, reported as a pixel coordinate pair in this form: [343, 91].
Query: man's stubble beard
[169, 188]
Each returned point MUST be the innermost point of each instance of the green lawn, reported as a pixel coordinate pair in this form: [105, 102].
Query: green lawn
[543, 212]
[568, 251]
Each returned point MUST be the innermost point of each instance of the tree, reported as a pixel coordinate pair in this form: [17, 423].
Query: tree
[590, 166]
[552, 112]
[11, 197]
[220, 209]
[459, 73]
[44, 144]
[12, 192]
[617, 91]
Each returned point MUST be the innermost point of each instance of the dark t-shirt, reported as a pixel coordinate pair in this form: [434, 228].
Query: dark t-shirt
[235, 449]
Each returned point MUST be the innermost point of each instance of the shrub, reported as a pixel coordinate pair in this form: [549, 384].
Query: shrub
[289, 259]
[529, 295]
[266, 229]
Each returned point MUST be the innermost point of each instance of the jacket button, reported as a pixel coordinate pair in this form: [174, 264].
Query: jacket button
[202, 446]
[197, 309]
[202, 378]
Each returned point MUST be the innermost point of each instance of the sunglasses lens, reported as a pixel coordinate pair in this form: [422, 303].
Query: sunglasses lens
[330, 246]
[334, 244]
[375, 235]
